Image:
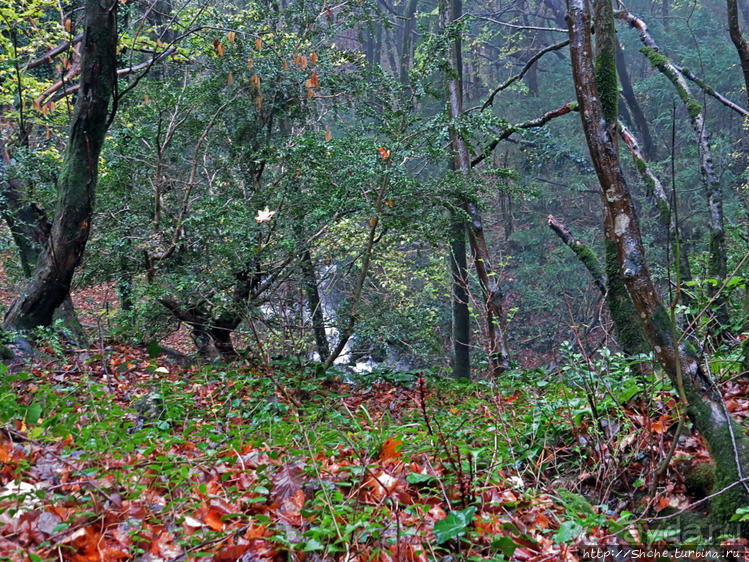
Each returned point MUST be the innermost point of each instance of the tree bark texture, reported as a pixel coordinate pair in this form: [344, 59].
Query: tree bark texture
[77, 182]
[726, 440]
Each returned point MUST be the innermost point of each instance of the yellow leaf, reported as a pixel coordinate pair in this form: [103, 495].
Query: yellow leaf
[389, 203]
[328, 135]
[258, 43]
[231, 36]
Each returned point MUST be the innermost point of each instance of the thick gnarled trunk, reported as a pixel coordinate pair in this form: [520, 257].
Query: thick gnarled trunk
[679, 360]
[76, 186]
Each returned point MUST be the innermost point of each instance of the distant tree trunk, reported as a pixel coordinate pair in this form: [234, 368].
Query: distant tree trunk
[407, 42]
[312, 292]
[77, 182]
[680, 361]
[499, 359]
[461, 320]
[717, 267]
[628, 331]
[638, 117]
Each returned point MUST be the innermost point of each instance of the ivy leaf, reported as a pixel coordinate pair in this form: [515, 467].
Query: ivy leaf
[454, 525]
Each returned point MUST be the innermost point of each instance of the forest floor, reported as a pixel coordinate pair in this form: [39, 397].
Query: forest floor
[117, 454]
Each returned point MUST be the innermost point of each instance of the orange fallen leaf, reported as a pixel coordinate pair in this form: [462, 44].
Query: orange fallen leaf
[389, 447]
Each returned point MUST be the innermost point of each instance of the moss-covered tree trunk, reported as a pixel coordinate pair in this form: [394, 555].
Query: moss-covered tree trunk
[76, 185]
[728, 445]
[623, 315]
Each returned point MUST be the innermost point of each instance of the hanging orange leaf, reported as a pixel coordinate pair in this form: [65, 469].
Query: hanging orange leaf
[230, 79]
[384, 153]
[255, 80]
[259, 103]
[145, 99]
[389, 203]
[68, 25]
[310, 93]
[46, 136]
[37, 105]
[329, 13]
[258, 43]
[313, 57]
[303, 62]
[231, 36]
[297, 59]
[159, 43]
[328, 135]
[285, 65]
[220, 49]
[313, 80]
[249, 64]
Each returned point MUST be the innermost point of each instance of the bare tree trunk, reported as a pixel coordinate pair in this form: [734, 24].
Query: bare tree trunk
[461, 321]
[77, 183]
[499, 359]
[312, 292]
[725, 438]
